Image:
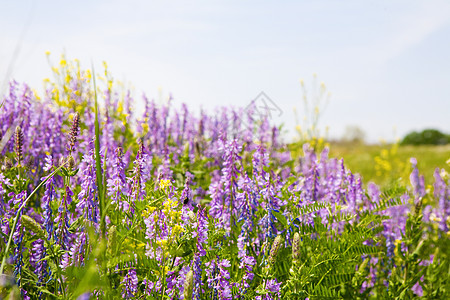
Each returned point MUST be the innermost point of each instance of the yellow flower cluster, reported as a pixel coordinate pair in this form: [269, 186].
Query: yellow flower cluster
[166, 269]
[177, 229]
[148, 211]
[122, 116]
[164, 183]
[387, 159]
[168, 210]
[66, 72]
[162, 243]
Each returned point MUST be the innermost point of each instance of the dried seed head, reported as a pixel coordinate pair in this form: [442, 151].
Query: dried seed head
[188, 285]
[418, 207]
[119, 152]
[158, 181]
[197, 147]
[18, 146]
[275, 247]
[73, 133]
[7, 164]
[29, 164]
[141, 148]
[296, 247]
[201, 127]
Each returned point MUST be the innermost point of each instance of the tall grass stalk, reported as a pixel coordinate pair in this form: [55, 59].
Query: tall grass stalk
[98, 167]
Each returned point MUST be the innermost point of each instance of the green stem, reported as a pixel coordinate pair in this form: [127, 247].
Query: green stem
[164, 277]
[97, 159]
[63, 289]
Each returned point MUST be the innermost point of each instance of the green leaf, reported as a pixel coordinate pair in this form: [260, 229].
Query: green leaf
[280, 217]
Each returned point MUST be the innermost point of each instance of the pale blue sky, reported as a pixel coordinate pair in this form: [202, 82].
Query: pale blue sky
[386, 63]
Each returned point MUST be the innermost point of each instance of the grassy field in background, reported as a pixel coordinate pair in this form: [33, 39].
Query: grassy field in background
[383, 164]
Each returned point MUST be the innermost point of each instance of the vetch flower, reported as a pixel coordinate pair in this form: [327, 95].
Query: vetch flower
[49, 196]
[117, 184]
[62, 219]
[130, 284]
[87, 204]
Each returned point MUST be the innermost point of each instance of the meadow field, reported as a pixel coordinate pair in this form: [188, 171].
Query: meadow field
[101, 202]
[384, 164]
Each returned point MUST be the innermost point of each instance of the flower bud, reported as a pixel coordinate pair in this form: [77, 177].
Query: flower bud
[296, 247]
[112, 237]
[188, 285]
[275, 247]
[362, 269]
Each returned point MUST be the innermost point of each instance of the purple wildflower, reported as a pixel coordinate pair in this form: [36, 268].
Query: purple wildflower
[417, 181]
[117, 185]
[442, 194]
[62, 219]
[130, 284]
[225, 205]
[75, 256]
[202, 231]
[37, 261]
[181, 280]
[141, 173]
[218, 278]
[197, 270]
[273, 286]
[18, 237]
[49, 196]
[186, 194]
[87, 204]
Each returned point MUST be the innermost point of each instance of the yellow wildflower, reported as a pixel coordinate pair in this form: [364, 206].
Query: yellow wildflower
[164, 183]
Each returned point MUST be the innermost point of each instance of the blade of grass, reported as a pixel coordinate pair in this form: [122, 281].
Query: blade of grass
[98, 165]
[8, 245]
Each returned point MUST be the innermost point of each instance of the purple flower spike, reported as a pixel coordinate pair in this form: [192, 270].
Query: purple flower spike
[130, 284]
[49, 196]
[117, 185]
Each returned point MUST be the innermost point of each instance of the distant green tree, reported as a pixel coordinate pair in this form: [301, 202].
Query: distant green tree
[426, 137]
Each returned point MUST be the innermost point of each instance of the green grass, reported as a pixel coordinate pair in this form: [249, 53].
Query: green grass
[362, 159]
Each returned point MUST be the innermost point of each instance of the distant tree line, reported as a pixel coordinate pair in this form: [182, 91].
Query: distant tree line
[426, 137]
